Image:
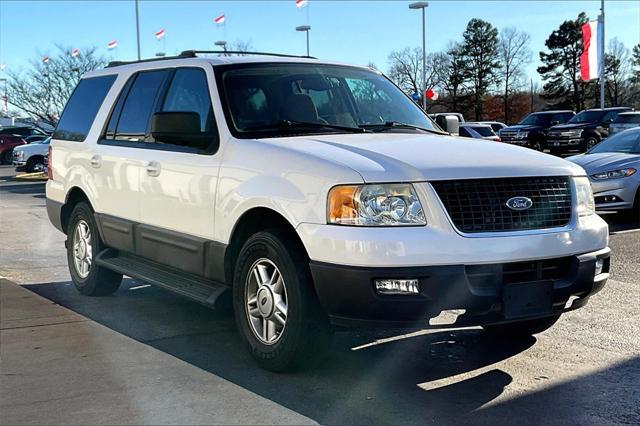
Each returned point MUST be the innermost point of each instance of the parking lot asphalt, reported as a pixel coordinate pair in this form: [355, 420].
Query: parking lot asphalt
[585, 370]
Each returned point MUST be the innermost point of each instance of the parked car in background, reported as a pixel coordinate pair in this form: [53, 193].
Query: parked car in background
[7, 143]
[531, 131]
[478, 131]
[584, 131]
[613, 167]
[30, 158]
[495, 125]
[624, 121]
[23, 131]
[35, 138]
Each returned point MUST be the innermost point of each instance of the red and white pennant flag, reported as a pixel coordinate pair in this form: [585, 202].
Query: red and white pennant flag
[75, 52]
[160, 34]
[219, 20]
[590, 63]
[45, 59]
[112, 44]
[301, 3]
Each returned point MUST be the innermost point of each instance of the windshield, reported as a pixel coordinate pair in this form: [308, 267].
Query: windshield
[588, 117]
[628, 118]
[483, 130]
[258, 98]
[537, 119]
[626, 142]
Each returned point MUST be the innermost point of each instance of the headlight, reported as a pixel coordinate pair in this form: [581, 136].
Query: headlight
[614, 174]
[584, 196]
[18, 155]
[575, 133]
[375, 205]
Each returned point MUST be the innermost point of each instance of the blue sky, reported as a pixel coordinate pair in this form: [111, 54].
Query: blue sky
[350, 31]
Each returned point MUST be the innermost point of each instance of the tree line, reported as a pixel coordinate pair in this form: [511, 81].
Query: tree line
[484, 74]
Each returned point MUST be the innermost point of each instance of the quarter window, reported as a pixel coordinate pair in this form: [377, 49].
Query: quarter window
[82, 107]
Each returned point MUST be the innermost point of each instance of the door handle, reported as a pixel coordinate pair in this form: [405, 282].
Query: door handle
[153, 168]
[96, 161]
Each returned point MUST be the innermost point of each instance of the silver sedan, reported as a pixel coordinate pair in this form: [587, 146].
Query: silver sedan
[613, 167]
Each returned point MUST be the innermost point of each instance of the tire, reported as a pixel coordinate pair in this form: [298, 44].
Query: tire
[555, 152]
[6, 157]
[536, 145]
[522, 329]
[83, 242]
[591, 142]
[635, 212]
[276, 345]
[35, 164]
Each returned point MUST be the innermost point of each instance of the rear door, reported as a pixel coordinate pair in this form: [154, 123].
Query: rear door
[178, 182]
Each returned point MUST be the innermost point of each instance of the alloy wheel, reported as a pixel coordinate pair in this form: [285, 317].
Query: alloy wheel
[266, 301]
[82, 251]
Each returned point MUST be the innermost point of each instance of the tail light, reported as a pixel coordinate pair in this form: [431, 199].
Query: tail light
[49, 164]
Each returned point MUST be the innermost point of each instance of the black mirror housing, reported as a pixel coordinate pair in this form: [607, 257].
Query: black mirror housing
[180, 128]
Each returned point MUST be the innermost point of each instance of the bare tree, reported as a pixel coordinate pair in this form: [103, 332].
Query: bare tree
[617, 72]
[406, 69]
[515, 54]
[241, 46]
[42, 90]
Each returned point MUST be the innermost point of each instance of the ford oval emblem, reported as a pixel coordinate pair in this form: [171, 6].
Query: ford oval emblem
[519, 203]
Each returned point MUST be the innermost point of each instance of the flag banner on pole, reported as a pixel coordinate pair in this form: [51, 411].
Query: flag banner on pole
[2, 66]
[45, 59]
[591, 48]
[75, 52]
[160, 34]
[219, 20]
[301, 3]
[112, 44]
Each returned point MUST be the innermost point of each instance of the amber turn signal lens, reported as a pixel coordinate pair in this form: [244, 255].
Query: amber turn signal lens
[341, 204]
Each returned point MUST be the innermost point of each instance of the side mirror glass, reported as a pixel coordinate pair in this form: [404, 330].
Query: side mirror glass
[180, 128]
[451, 125]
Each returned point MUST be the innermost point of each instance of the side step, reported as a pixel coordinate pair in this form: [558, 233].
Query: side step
[192, 286]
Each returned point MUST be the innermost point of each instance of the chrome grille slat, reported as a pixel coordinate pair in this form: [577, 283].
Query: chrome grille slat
[479, 205]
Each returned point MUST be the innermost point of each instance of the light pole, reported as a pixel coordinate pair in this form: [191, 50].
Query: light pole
[137, 30]
[423, 5]
[221, 43]
[306, 29]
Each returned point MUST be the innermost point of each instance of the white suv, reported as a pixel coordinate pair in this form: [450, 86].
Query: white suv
[320, 195]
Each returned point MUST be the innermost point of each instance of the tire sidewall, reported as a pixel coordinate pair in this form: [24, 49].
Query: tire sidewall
[83, 212]
[267, 245]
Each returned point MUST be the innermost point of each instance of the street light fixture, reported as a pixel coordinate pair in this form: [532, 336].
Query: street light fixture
[423, 5]
[221, 43]
[306, 29]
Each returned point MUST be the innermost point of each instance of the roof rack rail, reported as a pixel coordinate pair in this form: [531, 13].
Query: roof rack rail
[193, 53]
[182, 55]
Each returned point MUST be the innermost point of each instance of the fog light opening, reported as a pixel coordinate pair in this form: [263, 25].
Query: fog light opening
[397, 286]
[599, 266]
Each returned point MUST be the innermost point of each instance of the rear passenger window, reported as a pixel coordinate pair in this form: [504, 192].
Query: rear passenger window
[139, 104]
[82, 107]
[189, 93]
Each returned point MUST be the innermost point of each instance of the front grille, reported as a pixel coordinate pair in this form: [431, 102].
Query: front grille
[480, 205]
[486, 276]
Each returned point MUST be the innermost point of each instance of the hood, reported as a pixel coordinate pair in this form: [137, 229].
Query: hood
[33, 148]
[517, 127]
[571, 126]
[605, 161]
[389, 157]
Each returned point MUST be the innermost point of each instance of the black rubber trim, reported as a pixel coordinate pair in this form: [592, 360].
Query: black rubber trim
[54, 211]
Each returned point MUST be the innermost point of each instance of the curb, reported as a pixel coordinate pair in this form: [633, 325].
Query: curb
[28, 177]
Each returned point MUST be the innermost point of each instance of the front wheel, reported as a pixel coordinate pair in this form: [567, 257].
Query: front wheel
[275, 306]
[591, 142]
[35, 164]
[522, 328]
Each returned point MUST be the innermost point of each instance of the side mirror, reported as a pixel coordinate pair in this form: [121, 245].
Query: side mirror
[451, 125]
[555, 122]
[179, 128]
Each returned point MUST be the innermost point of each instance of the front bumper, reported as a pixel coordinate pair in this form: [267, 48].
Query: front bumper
[565, 144]
[624, 190]
[489, 293]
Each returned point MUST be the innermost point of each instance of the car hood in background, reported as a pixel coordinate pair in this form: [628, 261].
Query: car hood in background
[572, 126]
[387, 157]
[521, 127]
[606, 161]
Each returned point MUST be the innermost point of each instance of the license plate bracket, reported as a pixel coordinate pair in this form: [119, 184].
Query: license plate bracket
[527, 299]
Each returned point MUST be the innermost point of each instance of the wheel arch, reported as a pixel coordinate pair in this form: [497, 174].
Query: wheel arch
[74, 196]
[255, 220]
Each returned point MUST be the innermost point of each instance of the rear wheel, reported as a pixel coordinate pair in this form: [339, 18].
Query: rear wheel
[83, 244]
[522, 328]
[275, 306]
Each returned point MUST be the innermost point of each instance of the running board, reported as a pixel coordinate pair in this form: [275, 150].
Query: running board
[185, 284]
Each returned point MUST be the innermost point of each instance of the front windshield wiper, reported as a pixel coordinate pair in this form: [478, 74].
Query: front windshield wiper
[397, 124]
[290, 124]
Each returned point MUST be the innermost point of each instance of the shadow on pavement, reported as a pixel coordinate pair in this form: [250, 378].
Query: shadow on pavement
[418, 379]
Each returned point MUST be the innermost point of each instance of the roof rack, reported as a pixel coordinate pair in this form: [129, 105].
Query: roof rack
[193, 53]
[183, 55]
